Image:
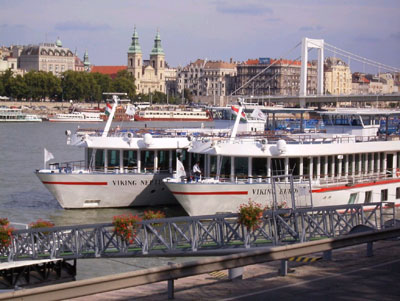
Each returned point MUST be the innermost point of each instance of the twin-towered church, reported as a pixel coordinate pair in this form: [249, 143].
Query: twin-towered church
[149, 74]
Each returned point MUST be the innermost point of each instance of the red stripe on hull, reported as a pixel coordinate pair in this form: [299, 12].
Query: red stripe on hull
[354, 186]
[75, 183]
[212, 193]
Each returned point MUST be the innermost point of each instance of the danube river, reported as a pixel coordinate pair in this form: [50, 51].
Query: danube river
[23, 198]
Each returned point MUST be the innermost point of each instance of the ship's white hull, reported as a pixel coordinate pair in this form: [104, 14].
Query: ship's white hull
[205, 198]
[74, 190]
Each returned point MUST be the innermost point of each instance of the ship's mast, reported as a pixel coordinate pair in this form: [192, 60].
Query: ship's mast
[114, 108]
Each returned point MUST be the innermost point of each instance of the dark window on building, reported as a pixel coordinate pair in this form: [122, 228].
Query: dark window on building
[398, 193]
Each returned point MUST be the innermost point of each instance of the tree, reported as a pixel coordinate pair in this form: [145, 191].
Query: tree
[187, 94]
[104, 84]
[76, 85]
[2, 90]
[124, 82]
[36, 82]
[18, 88]
[6, 78]
[158, 97]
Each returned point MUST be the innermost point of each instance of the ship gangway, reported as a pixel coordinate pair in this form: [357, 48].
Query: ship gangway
[200, 235]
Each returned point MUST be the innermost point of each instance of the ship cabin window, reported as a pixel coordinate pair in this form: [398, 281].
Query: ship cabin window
[163, 160]
[130, 159]
[147, 160]
[213, 166]
[376, 167]
[113, 158]
[357, 166]
[398, 159]
[241, 167]
[322, 164]
[96, 159]
[278, 166]
[397, 193]
[259, 167]
[330, 171]
[225, 167]
[368, 197]
[315, 167]
[294, 164]
[352, 198]
[384, 195]
[382, 158]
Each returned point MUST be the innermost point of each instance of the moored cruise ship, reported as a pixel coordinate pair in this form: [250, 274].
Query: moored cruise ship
[16, 115]
[173, 114]
[121, 167]
[78, 117]
[350, 163]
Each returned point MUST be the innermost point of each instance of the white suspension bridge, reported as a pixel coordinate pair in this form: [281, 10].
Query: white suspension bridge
[302, 98]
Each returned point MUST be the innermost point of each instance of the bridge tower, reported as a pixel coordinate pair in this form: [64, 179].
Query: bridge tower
[305, 45]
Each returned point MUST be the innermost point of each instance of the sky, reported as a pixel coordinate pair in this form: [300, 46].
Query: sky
[207, 29]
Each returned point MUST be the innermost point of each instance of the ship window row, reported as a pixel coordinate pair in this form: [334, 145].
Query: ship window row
[137, 161]
[327, 169]
[175, 113]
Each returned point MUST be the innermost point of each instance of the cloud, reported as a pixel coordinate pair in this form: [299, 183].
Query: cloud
[367, 39]
[310, 28]
[80, 26]
[243, 9]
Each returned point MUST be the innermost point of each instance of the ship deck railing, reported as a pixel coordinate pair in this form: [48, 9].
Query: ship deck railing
[356, 179]
[305, 139]
[80, 167]
[281, 177]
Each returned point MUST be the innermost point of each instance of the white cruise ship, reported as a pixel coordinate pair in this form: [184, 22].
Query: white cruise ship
[77, 117]
[121, 167]
[350, 163]
[16, 115]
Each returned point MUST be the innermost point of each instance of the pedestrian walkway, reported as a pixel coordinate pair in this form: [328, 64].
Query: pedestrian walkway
[305, 281]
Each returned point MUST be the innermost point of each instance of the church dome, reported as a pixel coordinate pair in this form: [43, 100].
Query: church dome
[58, 42]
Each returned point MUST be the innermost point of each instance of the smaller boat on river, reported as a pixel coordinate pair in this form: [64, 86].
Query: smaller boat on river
[16, 115]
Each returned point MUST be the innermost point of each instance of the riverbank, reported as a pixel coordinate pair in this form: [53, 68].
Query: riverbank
[47, 108]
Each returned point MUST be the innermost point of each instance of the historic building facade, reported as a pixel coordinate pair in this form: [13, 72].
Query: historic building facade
[149, 74]
[337, 77]
[209, 81]
[49, 57]
[267, 76]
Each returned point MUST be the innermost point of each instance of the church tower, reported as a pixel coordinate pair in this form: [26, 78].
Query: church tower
[135, 59]
[86, 62]
[157, 61]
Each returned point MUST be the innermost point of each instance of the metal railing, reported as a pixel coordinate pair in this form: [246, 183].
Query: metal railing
[186, 269]
[195, 235]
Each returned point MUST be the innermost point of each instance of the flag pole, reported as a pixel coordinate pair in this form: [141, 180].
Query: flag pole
[44, 158]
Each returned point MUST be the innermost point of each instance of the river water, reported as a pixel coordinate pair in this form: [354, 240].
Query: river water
[23, 198]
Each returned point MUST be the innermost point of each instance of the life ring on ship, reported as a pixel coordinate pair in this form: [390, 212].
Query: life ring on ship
[397, 172]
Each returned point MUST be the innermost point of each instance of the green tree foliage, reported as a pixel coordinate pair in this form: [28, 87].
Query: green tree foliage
[2, 90]
[17, 87]
[6, 80]
[125, 83]
[72, 85]
[104, 84]
[41, 85]
[188, 95]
